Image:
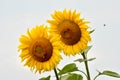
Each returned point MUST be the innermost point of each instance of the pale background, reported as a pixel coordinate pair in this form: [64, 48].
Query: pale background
[16, 16]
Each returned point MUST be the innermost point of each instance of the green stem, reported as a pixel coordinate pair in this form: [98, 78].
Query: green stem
[97, 76]
[55, 71]
[86, 66]
[83, 73]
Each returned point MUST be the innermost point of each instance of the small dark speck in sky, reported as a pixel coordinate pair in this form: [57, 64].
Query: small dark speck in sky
[104, 24]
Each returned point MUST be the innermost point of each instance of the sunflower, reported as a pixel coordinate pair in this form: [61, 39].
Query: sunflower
[39, 50]
[71, 30]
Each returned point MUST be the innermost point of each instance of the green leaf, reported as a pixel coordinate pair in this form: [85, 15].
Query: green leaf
[91, 59]
[83, 60]
[110, 73]
[92, 31]
[75, 77]
[64, 77]
[79, 60]
[88, 48]
[72, 77]
[68, 68]
[45, 78]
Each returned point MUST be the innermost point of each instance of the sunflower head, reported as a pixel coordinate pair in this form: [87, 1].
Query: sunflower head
[39, 50]
[71, 30]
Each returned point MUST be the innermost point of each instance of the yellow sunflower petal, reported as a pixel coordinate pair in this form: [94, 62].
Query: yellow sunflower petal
[72, 31]
[24, 39]
[39, 51]
[23, 46]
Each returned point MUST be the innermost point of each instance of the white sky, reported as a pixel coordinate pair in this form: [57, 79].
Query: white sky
[16, 16]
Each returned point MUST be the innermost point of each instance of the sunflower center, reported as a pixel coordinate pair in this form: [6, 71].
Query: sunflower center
[38, 49]
[70, 32]
[42, 49]
[66, 33]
